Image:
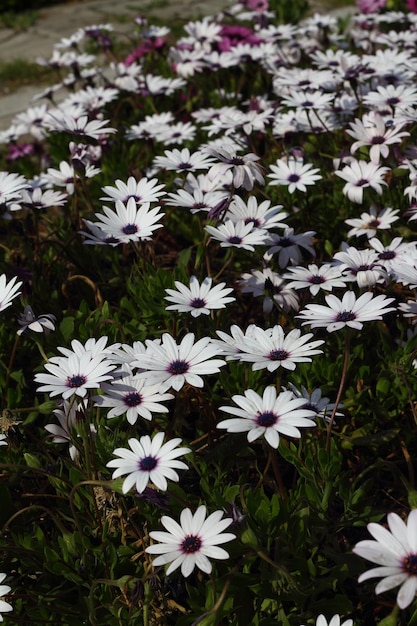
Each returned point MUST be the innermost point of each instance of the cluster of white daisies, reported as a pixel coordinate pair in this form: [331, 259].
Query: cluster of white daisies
[369, 94]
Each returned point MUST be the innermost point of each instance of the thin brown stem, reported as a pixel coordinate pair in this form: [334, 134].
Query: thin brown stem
[341, 388]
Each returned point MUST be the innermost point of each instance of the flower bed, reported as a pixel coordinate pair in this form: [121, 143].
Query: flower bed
[208, 393]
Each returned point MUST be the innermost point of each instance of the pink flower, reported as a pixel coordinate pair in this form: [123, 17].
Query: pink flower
[412, 5]
[371, 6]
[234, 35]
[257, 5]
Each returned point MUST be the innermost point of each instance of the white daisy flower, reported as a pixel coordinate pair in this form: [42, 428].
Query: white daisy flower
[359, 175]
[132, 396]
[38, 323]
[5, 607]
[180, 160]
[141, 191]
[369, 223]
[288, 246]
[192, 542]
[373, 131]
[394, 550]
[350, 311]
[245, 168]
[148, 461]
[10, 186]
[314, 277]
[238, 235]
[130, 222]
[268, 415]
[293, 173]
[261, 215]
[272, 349]
[74, 375]
[362, 266]
[169, 364]
[272, 287]
[198, 299]
[8, 291]
[334, 621]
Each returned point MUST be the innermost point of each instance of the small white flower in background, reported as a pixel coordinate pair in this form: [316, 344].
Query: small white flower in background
[8, 291]
[314, 278]
[132, 396]
[169, 364]
[359, 175]
[314, 401]
[192, 542]
[148, 460]
[394, 550]
[141, 191]
[67, 177]
[272, 349]
[392, 253]
[229, 345]
[5, 607]
[293, 173]
[10, 186]
[372, 131]
[183, 160]
[39, 324]
[68, 415]
[128, 221]
[62, 121]
[96, 347]
[245, 168]
[238, 235]
[271, 286]
[268, 415]
[362, 266]
[74, 375]
[288, 246]
[369, 223]
[198, 299]
[334, 621]
[3, 440]
[350, 311]
[261, 215]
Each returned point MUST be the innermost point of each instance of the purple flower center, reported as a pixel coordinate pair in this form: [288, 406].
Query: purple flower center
[307, 104]
[393, 100]
[148, 463]
[76, 381]
[191, 544]
[285, 242]
[266, 419]
[345, 316]
[130, 229]
[362, 182]
[178, 367]
[184, 166]
[235, 239]
[293, 178]
[316, 279]
[135, 198]
[374, 223]
[278, 355]
[409, 564]
[387, 255]
[235, 161]
[133, 398]
[198, 303]
[253, 220]
[378, 140]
